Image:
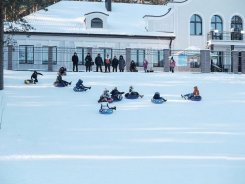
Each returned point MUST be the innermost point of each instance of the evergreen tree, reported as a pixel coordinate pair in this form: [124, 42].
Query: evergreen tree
[11, 16]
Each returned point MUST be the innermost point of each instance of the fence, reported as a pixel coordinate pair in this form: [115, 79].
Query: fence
[50, 58]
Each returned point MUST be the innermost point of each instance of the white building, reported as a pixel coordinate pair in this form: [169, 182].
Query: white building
[147, 30]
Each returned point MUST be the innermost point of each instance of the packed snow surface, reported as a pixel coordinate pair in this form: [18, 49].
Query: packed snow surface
[54, 135]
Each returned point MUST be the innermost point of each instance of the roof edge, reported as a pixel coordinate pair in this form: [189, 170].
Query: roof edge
[158, 15]
[92, 35]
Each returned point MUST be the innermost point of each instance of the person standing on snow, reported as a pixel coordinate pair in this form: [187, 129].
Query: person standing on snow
[88, 62]
[114, 63]
[122, 63]
[75, 62]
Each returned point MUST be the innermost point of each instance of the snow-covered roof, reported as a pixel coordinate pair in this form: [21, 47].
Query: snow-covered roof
[69, 17]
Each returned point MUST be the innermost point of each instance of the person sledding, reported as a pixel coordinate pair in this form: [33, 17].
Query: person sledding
[105, 108]
[116, 95]
[62, 71]
[158, 98]
[80, 87]
[33, 79]
[60, 82]
[133, 94]
[105, 95]
[34, 76]
[195, 95]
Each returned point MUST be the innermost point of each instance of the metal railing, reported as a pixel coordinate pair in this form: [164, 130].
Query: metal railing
[226, 36]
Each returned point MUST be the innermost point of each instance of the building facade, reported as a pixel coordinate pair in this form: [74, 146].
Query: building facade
[136, 31]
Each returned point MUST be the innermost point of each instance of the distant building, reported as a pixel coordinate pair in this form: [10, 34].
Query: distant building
[146, 30]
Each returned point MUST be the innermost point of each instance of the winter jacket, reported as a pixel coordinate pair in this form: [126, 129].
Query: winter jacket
[172, 64]
[107, 61]
[122, 63]
[98, 60]
[115, 62]
[145, 64]
[74, 58]
[196, 92]
[88, 60]
[34, 75]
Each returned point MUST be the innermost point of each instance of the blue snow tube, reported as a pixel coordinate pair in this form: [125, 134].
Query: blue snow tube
[106, 111]
[79, 89]
[157, 101]
[196, 98]
[131, 96]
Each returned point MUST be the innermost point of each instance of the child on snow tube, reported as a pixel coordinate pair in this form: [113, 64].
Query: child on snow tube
[116, 95]
[194, 96]
[105, 95]
[80, 87]
[60, 82]
[157, 98]
[62, 71]
[132, 94]
[105, 108]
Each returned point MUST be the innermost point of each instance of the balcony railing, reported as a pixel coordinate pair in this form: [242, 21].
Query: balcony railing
[226, 36]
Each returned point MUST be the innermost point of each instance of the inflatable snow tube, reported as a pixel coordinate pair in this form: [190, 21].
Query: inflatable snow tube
[157, 101]
[79, 89]
[196, 98]
[109, 100]
[28, 81]
[130, 96]
[56, 84]
[117, 98]
[106, 111]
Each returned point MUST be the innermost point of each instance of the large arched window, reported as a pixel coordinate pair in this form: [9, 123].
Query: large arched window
[236, 28]
[217, 26]
[96, 23]
[217, 23]
[196, 25]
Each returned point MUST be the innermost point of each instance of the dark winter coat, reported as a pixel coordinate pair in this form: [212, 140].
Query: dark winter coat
[34, 75]
[98, 60]
[75, 59]
[121, 63]
[88, 60]
[132, 66]
[115, 62]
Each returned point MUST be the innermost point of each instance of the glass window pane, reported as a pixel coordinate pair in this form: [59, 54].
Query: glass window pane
[199, 29]
[198, 18]
[192, 29]
[45, 55]
[141, 57]
[193, 18]
[22, 52]
[54, 50]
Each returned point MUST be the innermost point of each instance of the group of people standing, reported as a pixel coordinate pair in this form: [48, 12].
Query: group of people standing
[115, 63]
[99, 62]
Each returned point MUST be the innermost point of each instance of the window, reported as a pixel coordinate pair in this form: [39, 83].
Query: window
[96, 23]
[26, 54]
[45, 55]
[158, 58]
[236, 28]
[138, 55]
[82, 53]
[217, 24]
[196, 25]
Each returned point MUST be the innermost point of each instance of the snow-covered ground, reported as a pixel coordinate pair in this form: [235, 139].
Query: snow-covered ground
[53, 135]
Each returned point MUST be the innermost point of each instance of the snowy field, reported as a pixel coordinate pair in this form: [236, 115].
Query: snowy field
[53, 135]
